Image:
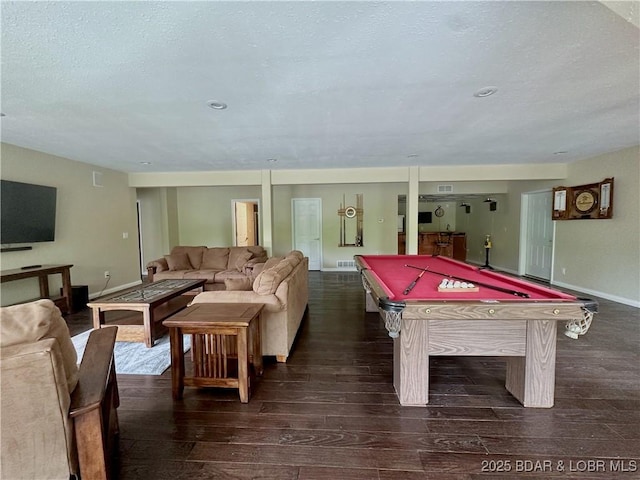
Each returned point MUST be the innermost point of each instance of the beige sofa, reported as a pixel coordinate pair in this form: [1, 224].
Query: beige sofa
[214, 264]
[281, 284]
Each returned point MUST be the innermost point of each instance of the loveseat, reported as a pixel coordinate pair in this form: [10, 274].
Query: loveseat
[214, 264]
[58, 420]
[281, 284]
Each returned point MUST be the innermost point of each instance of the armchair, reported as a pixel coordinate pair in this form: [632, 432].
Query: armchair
[58, 420]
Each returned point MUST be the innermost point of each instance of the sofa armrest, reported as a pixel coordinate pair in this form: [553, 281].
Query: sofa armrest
[156, 266]
[271, 302]
[93, 405]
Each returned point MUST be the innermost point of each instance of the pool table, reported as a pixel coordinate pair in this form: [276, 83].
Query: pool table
[502, 316]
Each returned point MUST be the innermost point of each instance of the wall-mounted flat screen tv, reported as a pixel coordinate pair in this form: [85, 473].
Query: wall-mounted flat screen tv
[27, 213]
[424, 217]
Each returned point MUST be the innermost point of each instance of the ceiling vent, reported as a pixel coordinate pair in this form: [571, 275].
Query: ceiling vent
[445, 188]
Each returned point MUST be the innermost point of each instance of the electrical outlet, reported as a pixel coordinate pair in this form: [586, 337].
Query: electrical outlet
[107, 274]
[564, 271]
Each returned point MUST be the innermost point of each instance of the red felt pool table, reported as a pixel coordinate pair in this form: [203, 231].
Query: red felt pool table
[506, 316]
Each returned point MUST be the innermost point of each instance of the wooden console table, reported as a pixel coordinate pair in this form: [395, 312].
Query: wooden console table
[43, 272]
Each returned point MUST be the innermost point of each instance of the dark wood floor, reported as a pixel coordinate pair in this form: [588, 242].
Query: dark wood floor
[331, 412]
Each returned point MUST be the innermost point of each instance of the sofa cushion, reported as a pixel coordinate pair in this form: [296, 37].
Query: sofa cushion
[223, 275]
[215, 258]
[34, 321]
[268, 280]
[243, 284]
[178, 261]
[208, 275]
[238, 257]
[194, 254]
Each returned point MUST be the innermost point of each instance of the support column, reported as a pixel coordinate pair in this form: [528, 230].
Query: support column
[266, 212]
[411, 220]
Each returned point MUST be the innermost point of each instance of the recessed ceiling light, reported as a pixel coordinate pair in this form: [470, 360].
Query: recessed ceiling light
[145, 163]
[485, 92]
[217, 105]
[272, 160]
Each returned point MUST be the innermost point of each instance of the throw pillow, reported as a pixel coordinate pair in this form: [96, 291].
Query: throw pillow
[268, 281]
[215, 258]
[238, 260]
[194, 254]
[297, 254]
[244, 284]
[272, 262]
[178, 261]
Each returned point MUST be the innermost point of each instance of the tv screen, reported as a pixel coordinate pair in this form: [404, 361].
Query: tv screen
[27, 213]
[424, 217]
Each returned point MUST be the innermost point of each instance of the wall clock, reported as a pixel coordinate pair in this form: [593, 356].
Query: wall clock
[586, 201]
[439, 211]
[350, 212]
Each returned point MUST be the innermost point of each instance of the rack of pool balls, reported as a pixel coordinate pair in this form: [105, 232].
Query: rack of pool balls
[448, 285]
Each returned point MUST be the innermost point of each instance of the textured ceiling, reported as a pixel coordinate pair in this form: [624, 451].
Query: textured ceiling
[318, 84]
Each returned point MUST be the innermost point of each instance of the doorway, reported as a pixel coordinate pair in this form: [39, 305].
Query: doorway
[536, 235]
[245, 219]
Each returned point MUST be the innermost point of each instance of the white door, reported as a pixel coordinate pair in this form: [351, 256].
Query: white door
[539, 235]
[306, 214]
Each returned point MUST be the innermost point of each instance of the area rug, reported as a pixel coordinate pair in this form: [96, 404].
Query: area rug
[134, 357]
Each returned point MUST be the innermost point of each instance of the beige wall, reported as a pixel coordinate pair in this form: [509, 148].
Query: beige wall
[90, 222]
[381, 208]
[205, 213]
[604, 255]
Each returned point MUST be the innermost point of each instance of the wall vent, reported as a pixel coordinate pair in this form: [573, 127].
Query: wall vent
[346, 264]
[445, 188]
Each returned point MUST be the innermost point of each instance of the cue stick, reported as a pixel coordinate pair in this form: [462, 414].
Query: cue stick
[413, 284]
[487, 285]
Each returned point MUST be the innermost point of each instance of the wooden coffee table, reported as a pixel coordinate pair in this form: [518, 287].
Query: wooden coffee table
[225, 340]
[156, 301]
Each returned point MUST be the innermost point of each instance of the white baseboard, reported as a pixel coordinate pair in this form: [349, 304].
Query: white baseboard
[114, 289]
[606, 296]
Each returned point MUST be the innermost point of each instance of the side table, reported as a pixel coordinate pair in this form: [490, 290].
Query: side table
[218, 361]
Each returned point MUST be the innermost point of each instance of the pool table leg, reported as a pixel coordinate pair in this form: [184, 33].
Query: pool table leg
[531, 379]
[411, 363]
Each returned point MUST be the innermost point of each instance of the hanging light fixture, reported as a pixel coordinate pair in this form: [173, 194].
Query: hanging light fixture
[493, 204]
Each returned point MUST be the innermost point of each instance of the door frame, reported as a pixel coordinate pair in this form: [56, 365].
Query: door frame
[233, 218]
[524, 223]
[143, 270]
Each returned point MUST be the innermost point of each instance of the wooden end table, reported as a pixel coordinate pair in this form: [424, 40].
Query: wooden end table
[213, 327]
